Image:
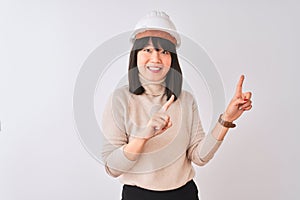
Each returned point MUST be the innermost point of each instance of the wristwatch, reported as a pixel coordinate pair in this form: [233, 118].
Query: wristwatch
[226, 123]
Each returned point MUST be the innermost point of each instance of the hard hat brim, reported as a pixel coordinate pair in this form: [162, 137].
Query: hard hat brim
[171, 32]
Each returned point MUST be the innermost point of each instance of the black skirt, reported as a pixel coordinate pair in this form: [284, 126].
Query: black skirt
[187, 192]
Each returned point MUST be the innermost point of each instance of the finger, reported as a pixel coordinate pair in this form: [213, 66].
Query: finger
[238, 102]
[247, 95]
[162, 120]
[248, 108]
[160, 123]
[245, 105]
[162, 116]
[168, 103]
[239, 87]
[168, 126]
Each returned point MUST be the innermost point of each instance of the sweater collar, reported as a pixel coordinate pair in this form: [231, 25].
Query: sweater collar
[154, 88]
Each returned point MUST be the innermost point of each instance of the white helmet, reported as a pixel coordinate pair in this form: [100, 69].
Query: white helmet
[156, 20]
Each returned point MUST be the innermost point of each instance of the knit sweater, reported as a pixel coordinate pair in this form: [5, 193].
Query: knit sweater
[166, 161]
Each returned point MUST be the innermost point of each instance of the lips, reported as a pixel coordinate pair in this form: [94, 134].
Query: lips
[154, 69]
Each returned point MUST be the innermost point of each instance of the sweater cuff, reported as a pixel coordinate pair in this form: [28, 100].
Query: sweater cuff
[118, 161]
[210, 146]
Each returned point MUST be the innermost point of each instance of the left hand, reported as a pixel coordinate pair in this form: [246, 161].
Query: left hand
[240, 102]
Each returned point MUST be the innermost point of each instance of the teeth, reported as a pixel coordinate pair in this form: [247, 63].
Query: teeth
[154, 68]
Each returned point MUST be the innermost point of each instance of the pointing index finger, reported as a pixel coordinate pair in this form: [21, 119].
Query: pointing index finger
[168, 103]
[239, 87]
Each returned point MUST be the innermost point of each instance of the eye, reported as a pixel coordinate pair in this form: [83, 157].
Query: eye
[147, 50]
[165, 52]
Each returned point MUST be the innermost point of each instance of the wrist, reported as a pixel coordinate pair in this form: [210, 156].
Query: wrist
[142, 141]
[225, 123]
[225, 117]
[146, 134]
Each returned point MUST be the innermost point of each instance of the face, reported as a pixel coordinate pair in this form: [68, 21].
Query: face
[153, 64]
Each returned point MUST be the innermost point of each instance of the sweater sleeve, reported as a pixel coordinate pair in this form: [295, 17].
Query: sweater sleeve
[115, 138]
[202, 146]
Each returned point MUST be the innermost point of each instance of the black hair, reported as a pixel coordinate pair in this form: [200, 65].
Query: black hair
[174, 76]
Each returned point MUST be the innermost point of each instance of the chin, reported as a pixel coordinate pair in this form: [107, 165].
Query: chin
[155, 78]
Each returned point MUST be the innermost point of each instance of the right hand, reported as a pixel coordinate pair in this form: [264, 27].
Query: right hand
[160, 121]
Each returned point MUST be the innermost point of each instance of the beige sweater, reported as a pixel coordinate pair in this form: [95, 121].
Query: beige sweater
[165, 163]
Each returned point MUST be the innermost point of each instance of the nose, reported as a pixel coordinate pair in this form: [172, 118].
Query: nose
[155, 57]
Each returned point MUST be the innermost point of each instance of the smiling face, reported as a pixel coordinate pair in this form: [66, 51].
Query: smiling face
[154, 58]
[153, 62]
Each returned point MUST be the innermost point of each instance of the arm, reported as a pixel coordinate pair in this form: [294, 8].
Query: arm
[114, 141]
[158, 123]
[203, 147]
[240, 102]
[120, 155]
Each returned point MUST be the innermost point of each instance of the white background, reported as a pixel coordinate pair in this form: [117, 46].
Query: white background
[43, 45]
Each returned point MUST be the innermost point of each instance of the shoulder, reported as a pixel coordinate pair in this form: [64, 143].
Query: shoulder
[122, 97]
[121, 93]
[118, 101]
[187, 98]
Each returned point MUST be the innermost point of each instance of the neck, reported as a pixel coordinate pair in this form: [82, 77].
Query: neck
[154, 88]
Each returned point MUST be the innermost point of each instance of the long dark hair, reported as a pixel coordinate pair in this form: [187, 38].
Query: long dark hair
[174, 76]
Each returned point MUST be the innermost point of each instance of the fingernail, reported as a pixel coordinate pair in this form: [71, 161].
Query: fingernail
[245, 99]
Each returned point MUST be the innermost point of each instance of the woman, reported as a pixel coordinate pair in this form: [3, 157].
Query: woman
[152, 128]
